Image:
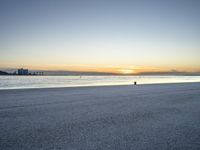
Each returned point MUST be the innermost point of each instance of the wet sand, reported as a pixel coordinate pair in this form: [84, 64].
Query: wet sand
[142, 117]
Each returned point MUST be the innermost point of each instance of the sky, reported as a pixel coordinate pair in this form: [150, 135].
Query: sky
[120, 36]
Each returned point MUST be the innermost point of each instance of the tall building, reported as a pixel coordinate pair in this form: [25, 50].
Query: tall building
[22, 71]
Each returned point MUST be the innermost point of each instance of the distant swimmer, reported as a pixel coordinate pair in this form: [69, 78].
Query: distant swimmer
[135, 83]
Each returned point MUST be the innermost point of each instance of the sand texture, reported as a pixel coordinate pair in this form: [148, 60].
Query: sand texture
[142, 117]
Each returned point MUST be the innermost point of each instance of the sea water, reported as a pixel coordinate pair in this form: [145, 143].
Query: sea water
[20, 82]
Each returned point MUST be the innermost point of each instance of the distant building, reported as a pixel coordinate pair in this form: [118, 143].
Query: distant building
[22, 71]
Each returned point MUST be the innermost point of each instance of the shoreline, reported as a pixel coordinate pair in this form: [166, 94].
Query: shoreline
[94, 86]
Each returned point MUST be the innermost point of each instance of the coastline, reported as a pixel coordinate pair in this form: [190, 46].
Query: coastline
[151, 116]
[100, 85]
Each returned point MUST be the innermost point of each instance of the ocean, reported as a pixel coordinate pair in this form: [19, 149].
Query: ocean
[23, 82]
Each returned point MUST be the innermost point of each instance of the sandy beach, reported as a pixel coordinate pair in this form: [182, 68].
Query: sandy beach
[142, 117]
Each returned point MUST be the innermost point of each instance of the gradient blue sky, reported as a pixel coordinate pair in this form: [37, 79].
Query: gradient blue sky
[101, 35]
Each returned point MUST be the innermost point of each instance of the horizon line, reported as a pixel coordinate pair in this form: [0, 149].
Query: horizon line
[65, 72]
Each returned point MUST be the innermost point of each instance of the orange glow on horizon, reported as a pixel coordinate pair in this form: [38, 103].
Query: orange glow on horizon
[125, 70]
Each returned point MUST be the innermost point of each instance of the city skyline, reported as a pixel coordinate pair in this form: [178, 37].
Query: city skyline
[127, 37]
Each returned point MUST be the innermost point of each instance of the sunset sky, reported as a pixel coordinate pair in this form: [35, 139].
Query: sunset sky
[124, 36]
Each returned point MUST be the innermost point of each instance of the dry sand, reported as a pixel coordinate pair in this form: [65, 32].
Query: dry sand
[142, 117]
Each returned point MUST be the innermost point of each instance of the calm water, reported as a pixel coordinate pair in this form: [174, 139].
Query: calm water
[16, 82]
